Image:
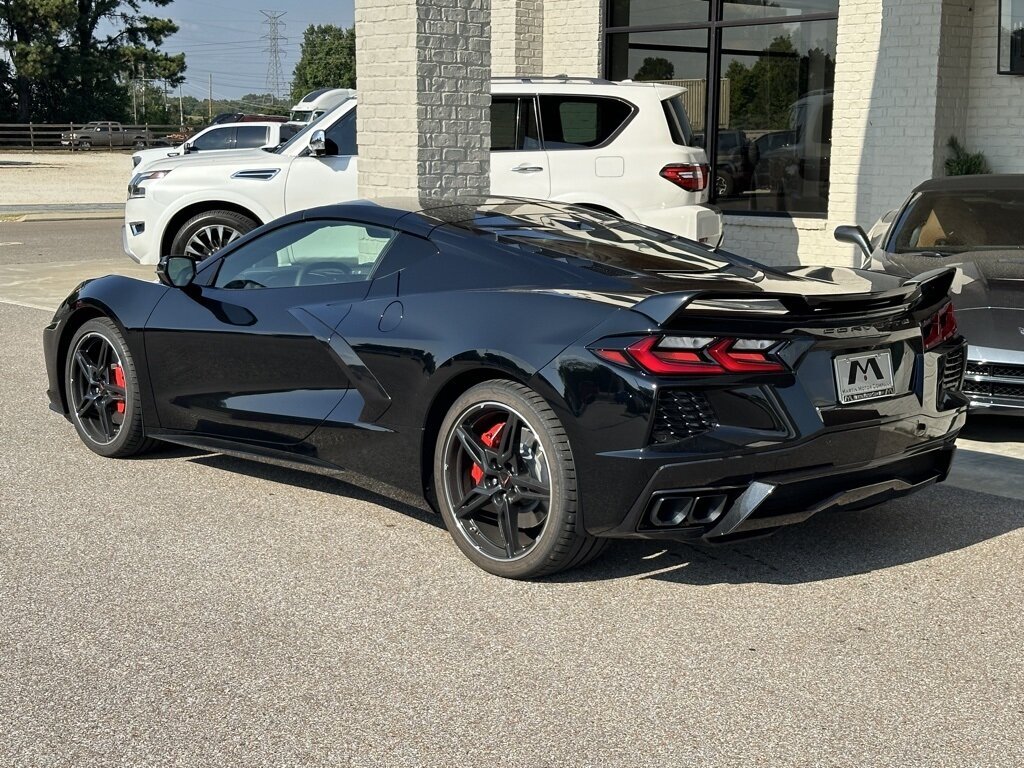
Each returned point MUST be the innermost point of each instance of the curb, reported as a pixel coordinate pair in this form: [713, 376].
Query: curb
[23, 216]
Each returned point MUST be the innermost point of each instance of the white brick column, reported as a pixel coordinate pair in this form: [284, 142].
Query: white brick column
[424, 97]
[517, 38]
[574, 37]
[902, 69]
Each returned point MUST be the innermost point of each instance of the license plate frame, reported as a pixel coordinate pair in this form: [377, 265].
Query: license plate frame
[863, 376]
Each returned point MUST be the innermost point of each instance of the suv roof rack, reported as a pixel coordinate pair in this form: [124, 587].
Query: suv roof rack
[553, 79]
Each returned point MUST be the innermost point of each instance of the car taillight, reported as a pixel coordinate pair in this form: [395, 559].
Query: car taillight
[693, 177]
[695, 355]
[940, 328]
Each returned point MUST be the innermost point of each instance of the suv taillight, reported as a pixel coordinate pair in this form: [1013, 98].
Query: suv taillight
[693, 177]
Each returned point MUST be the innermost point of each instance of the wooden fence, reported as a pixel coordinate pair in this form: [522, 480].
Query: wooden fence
[47, 136]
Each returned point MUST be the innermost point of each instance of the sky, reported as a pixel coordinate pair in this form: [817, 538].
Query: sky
[222, 38]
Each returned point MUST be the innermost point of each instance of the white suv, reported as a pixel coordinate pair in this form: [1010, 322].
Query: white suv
[625, 148]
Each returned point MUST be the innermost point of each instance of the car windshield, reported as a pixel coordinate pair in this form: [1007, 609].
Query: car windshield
[301, 117]
[959, 221]
[593, 240]
[305, 130]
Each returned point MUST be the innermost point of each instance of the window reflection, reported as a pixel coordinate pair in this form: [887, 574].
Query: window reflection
[775, 138]
[774, 93]
[678, 57]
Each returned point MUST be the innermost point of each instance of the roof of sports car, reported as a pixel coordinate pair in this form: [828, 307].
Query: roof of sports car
[981, 182]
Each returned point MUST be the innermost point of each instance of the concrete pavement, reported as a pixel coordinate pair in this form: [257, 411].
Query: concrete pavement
[188, 609]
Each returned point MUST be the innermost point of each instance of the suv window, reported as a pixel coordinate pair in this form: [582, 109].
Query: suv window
[250, 136]
[578, 122]
[306, 253]
[678, 124]
[341, 137]
[218, 138]
[513, 124]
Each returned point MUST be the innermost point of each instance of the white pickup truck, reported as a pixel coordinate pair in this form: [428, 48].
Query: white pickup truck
[621, 148]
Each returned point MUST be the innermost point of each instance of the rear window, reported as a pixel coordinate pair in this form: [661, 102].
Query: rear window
[678, 124]
[579, 122]
[592, 240]
[958, 221]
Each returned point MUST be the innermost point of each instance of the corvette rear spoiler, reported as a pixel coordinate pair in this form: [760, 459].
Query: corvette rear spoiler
[916, 294]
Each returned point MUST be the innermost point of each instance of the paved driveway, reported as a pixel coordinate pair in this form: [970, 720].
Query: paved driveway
[192, 609]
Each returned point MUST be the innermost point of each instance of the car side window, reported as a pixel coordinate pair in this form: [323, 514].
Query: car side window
[305, 253]
[218, 138]
[514, 124]
[250, 136]
[580, 122]
[341, 137]
[504, 124]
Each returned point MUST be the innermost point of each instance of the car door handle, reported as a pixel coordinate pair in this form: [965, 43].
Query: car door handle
[528, 168]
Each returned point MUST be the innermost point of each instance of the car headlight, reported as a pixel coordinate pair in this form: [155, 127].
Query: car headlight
[135, 188]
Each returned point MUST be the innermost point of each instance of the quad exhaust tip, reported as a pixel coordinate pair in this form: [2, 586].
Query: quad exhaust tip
[686, 511]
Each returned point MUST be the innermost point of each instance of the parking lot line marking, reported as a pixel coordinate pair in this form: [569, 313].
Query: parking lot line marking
[25, 304]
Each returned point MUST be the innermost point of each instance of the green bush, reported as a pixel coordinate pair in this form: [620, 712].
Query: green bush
[964, 163]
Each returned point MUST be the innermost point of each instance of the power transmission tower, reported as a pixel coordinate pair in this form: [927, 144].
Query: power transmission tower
[274, 38]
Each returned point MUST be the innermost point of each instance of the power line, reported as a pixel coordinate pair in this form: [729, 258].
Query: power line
[274, 38]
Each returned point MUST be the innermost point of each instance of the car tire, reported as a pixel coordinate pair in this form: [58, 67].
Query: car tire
[548, 535]
[85, 144]
[207, 232]
[122, 411]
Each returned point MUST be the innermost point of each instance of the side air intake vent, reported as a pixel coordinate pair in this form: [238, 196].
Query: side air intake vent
[681, 414]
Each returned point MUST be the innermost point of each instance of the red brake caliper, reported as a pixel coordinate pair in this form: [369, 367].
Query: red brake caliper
[490, 439]
[118, 372]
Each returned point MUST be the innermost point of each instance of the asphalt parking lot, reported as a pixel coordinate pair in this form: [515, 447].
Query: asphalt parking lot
[191, 609]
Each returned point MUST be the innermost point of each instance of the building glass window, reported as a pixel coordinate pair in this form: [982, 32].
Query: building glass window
[1011, 37]
[769, 111]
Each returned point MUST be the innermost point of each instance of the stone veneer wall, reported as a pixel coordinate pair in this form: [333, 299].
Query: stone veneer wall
[424, 97]
[517, 38]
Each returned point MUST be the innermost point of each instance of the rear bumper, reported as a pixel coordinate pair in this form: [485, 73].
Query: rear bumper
[702, 223]
[723, 498]
[772, 501]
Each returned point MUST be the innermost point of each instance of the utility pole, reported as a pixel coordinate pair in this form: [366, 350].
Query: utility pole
[274, 38]
[211, 96]
[181, 109]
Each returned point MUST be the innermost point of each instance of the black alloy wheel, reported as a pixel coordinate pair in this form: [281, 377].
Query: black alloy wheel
[506, 483]
[102, 391]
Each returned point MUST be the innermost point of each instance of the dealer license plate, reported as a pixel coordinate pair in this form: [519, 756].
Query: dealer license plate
[864, 376]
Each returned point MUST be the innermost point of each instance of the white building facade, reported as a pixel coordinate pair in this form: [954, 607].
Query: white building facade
[814, 113]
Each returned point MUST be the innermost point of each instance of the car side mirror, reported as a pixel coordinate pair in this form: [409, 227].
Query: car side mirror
[318, 143]
[854, 235]
[176, 271]
[189, 148]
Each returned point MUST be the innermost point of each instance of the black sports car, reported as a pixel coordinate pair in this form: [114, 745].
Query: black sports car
[974, 224]
[548, 377]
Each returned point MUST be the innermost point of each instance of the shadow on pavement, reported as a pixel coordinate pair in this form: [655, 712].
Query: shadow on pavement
[351, 487]
[994, 429]
[829, 546]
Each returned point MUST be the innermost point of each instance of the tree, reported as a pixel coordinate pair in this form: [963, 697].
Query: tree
[75, 58]
[762, 95]
[328, 60]
[655, 68]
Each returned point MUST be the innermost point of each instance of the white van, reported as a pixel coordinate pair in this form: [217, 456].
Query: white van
[317, 103]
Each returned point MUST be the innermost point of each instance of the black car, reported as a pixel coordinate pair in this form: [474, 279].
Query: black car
[974, 224]
[547, 377]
